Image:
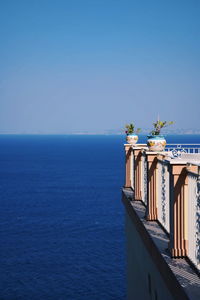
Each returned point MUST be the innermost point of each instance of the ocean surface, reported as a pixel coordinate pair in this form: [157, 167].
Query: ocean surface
[61, 217]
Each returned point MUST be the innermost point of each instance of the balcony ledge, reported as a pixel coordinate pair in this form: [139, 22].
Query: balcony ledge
[180, 278]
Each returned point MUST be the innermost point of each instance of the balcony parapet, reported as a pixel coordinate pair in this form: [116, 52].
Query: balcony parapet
[169, 188]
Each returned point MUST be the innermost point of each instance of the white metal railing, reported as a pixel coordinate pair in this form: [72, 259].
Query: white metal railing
[163, 193]
[178, 149]
[194, 218]
[132, 170]
[144, 178]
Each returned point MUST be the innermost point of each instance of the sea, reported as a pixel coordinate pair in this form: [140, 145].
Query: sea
[61, 217]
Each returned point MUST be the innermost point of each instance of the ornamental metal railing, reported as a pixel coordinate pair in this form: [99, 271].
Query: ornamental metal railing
[132, 171]
[194, 217]
[144, 176]
[178, 149]
[163, 193]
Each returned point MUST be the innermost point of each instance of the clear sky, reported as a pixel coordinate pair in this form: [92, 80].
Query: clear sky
[80, 65]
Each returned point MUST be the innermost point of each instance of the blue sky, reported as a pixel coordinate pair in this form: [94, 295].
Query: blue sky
[68, 66]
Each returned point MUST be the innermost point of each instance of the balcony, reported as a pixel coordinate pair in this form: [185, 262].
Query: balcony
[162, 200]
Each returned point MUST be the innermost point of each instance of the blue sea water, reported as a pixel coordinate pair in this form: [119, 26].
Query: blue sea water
[61, 217]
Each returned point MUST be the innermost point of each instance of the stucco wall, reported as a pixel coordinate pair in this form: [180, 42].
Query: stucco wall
[143, 278]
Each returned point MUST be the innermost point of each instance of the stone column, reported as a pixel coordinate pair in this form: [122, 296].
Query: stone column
[129, 166]
[179, 210]
[138, 174]
[152, 210]
[178, 231]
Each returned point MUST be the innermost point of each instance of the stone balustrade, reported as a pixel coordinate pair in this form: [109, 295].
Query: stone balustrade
[169, 188]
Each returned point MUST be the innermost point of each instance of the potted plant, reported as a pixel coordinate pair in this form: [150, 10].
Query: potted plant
[131, 133]
[156, 141]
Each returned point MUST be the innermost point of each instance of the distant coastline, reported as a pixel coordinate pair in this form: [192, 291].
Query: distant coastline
[107, 132]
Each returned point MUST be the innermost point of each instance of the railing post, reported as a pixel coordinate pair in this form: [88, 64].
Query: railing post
[138, 174]
[179, 199]
[152, 210]
[129, 166]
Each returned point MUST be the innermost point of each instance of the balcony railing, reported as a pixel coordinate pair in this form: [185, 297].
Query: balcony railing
[178, 149]
[194, 214]
[163, 193]
[169, 187]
